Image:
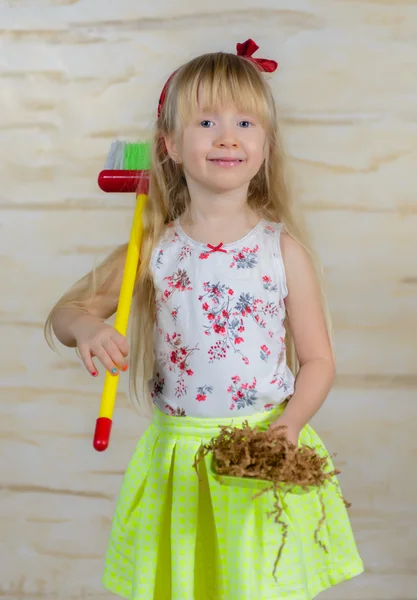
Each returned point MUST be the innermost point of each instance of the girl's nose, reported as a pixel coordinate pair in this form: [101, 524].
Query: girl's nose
[226, 136]
[226, 141]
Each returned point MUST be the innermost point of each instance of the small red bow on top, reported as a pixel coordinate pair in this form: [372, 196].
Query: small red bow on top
[245, 50]
[248, 48]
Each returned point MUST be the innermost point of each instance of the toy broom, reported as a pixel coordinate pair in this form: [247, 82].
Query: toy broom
[126, 171]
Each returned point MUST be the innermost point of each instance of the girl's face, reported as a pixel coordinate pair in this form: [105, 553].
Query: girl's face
[221, 150]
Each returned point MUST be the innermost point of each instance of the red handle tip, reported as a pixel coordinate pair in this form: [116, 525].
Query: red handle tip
[102, 433]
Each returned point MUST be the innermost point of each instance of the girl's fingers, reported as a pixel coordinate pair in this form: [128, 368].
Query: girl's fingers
[88, 360]
[115, 354]
[111, 351]
[120, 342]
[107, 361]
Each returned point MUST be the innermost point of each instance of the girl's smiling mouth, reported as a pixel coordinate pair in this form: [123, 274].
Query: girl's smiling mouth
[226, 161]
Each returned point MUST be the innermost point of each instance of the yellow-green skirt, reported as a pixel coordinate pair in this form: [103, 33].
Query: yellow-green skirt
[177, 538]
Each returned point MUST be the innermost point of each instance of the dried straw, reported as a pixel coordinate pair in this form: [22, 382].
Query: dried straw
[269, 456]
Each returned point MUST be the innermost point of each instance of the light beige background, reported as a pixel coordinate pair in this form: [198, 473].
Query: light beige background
[76, 75]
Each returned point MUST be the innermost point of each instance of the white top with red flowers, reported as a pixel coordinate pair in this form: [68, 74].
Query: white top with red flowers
[219, 333]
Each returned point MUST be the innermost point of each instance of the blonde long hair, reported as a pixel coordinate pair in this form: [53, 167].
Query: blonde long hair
[220, 79]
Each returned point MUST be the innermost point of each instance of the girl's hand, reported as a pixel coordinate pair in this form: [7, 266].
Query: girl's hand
[292, 431]
[95, 338]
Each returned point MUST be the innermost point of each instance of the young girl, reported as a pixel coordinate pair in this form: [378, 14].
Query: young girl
[227, 277]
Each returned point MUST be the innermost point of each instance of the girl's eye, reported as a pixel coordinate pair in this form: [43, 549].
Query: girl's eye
[245, 124]
[206, 123]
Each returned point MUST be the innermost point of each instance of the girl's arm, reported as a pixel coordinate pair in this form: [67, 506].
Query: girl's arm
[77, 311]
[308, 327]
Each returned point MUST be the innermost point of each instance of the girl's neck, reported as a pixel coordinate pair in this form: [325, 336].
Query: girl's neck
[222, 219]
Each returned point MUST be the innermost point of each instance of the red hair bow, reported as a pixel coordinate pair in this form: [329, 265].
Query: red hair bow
[248, 48]
[245, 50]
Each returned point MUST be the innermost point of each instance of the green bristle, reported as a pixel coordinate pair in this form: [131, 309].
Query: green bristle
[137, 157]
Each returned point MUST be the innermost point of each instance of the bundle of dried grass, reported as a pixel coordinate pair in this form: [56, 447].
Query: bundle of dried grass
[267, 455]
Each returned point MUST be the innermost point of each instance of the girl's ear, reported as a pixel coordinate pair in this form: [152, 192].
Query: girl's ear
[172, 148]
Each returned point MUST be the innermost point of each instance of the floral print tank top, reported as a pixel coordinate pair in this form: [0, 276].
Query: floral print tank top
[219, 333]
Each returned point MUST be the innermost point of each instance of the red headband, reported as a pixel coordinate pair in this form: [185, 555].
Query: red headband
[245, 50]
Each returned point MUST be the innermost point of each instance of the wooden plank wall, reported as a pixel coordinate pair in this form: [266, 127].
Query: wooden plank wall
[76, 75]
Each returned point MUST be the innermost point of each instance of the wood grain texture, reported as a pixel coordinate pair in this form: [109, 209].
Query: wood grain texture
[77, 75]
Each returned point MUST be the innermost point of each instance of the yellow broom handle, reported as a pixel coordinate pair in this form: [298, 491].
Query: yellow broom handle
[108, 398]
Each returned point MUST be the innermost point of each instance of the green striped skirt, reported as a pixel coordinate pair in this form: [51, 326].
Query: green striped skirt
[179, 537]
